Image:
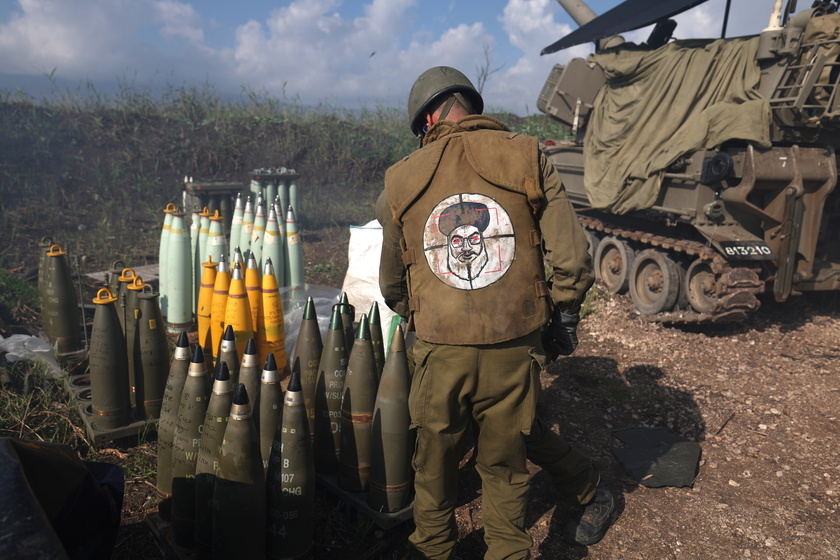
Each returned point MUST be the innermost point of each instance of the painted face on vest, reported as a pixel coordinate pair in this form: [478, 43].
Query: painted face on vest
[469, 241]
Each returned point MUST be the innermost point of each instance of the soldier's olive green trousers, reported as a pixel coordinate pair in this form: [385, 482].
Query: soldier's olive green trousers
[497, 385]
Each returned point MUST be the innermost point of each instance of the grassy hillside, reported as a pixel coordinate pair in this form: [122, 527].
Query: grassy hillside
[94, 173]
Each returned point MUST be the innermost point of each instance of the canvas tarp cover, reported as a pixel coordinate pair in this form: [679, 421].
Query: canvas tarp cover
[658, 105]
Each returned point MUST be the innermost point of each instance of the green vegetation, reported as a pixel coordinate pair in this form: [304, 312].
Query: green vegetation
[18, 299]
[94, 172]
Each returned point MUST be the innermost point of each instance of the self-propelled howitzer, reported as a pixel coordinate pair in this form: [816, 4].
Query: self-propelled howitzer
[703, 170]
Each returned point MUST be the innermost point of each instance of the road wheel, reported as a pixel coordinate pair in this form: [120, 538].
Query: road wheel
[654, 282]
[613, 260]
[701, 287]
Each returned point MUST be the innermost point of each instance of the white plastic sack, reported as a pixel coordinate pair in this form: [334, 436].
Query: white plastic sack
[362, 279]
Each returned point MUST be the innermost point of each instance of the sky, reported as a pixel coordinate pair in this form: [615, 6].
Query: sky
[345, 53]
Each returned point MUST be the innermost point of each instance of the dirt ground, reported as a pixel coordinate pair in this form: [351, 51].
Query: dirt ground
[759, 397]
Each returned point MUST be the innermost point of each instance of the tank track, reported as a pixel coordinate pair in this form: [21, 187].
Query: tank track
[736, 287]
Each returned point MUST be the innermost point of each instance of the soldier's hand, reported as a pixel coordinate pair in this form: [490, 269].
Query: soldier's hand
[560, 337]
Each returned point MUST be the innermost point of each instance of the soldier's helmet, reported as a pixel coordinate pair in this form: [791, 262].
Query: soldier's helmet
[432, 85]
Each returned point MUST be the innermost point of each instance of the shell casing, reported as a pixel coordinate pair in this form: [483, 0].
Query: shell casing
[204, 306]
[179, 280]
[308, 351]
[253, 280]
[163, 256]
[244, 241]
[268, 410]
[108, 364]
[290, 482]
[258, 232]
[357, 404]
[238, 311]
[294, 250]
[168, 420]
[227, 353]
[131, 312]
[271, 330]
[239, 495]
[376, 339]
[191, 413]
[274, 246]
[236, 224]
[249, 375]
[392, 441]
[154, 355]
[332, 369]
[60, 308]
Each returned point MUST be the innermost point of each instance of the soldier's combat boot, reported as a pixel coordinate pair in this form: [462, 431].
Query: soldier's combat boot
[596, 517]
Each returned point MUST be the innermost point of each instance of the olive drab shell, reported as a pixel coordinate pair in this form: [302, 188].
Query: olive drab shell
[466, 203]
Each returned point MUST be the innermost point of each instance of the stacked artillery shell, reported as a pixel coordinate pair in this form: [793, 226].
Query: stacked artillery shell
[252, 288]
[270, 192]
[203, 234]
[43, 261]
[114, 276]
[357, 402]
[178, 274]
[131, 312]
[271, 397]
[294, 199]
[282, 200]
[238, 310]
[308, 350]
[216, 242]
[294, 250]
[108, 366]
[191, 412]
[291, 479]
[236, 224]
[238, 258]
[331, 371]
[62, 320]
[218, 304]
[154, 353]
[258, 232]
[239, 495]
[195, 256]
[163, 256]
[125, 279]
[244, 241]
[376, 339]
[274, 245]
[392, 440]
[204, 308]
[168, 421]
[215, 422]
[348, 315]
[227, 353]
[271, 330]
[249, 373]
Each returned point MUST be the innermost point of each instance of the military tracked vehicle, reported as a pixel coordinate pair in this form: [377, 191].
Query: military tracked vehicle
[704, 171]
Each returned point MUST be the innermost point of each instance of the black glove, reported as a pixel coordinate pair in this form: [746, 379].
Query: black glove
[560, 336]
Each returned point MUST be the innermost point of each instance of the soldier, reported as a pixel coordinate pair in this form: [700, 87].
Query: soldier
[467, 220]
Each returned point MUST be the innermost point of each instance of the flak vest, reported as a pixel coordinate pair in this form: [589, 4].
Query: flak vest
[466, 204]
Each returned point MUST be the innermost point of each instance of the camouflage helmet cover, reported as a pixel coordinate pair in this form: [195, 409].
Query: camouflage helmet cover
[433, 85]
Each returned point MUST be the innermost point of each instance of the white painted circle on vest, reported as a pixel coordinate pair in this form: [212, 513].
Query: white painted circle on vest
[469, 241]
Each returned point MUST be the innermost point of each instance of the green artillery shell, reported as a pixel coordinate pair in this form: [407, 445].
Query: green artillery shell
[216, 241]
[179, 278]
[191, 414]
[331, 371]
[239, 496]
[376, 340]
[357, 402]
[43, 261]
[244, 241]
[195, 260]
[294, 249]
[132, 346]
[308, 351]
[163, 256]
[154, 353]
[249, 374]
[169, 419]
[392, 440]
[108, 366]
[348, 315]
[60, 307]
[291, 480]
[215, 422]
[227, 353]
[258, 232]
[274, 246]
[268, 411]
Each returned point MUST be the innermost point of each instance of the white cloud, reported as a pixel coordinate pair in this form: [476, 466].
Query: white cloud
[179, 20]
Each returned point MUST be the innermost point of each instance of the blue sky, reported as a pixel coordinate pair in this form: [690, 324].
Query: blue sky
[341, 52]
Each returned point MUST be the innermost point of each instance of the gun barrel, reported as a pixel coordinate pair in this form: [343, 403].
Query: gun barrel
[578, 10]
